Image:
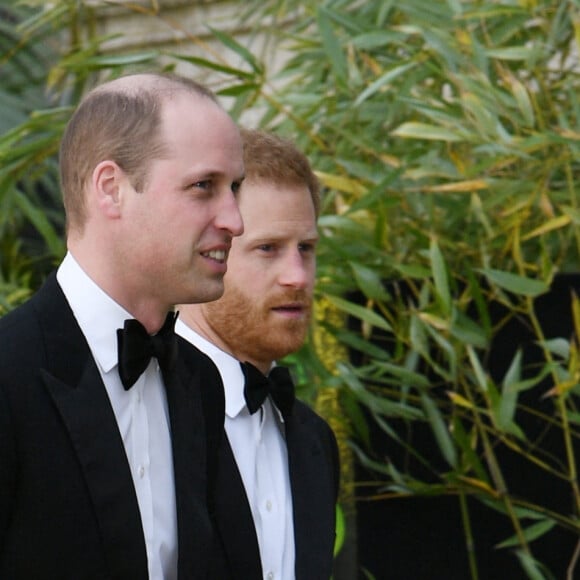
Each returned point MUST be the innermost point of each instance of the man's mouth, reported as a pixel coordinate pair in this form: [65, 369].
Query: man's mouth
[217, 255]
[291, 308]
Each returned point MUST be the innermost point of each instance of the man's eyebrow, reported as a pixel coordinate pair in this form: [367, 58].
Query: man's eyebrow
[201, 174]
[276, 237]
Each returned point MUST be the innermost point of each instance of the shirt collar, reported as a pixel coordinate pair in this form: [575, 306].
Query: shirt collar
[228, 366]
[97, 314]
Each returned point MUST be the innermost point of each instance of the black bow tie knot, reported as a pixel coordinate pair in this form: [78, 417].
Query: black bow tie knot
[136, 348]
[278, 384]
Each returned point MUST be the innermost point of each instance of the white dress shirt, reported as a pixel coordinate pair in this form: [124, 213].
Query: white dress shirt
[141, 413]
[259, 447]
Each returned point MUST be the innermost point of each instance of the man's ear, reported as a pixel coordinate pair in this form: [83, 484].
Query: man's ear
[108, 180]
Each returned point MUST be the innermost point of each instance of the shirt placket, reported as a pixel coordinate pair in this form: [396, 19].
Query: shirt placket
[141, 458]
[268, 504]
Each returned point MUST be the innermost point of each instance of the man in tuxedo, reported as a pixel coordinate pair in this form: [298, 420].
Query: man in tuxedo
[278, 468]
[105, 441]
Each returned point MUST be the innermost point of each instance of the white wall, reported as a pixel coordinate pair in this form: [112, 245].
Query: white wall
[182, 27]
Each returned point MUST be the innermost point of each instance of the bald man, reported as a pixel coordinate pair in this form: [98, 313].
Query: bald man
[106, 444]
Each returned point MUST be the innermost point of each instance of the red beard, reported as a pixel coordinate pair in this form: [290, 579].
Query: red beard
[252, 330]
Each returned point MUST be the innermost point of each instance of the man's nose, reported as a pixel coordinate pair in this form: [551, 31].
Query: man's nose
[229, 217]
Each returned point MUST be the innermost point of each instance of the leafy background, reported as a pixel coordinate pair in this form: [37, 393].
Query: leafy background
[446, 135]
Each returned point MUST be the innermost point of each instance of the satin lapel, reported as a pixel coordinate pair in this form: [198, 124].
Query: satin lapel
[87, 414]
[190, 468]
[311, 489]
[76, 388]
[234, 518]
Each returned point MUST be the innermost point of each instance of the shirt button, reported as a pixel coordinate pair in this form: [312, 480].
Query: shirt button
[269, 508]
[141, 471]
[270, 576]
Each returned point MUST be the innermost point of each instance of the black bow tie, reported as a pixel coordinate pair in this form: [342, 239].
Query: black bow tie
[136, 348]
[278, 384]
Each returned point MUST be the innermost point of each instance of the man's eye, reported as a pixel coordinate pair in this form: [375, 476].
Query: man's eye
[236, 187]
[205, 184]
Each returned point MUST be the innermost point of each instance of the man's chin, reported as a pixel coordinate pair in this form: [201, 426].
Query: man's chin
[210, 292]
[289, 344]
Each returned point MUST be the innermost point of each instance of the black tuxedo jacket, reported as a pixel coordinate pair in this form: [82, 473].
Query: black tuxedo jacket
[68, 508]
[314, 477]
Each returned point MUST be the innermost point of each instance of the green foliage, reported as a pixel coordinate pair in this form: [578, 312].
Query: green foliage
[26, 178]
[48, 56]
[446, 135]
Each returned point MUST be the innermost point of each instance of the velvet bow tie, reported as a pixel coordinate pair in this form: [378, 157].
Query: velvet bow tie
[136, 348]
[278, 384]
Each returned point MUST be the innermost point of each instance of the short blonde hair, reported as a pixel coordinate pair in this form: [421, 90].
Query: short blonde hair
[119, 121]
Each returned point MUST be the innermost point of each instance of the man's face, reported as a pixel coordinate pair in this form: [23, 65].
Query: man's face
[265, 310]
[180, 227]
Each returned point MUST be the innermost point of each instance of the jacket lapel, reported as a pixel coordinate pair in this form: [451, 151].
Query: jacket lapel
[79, 395]
[314, 512]
[89, 419]
[234, 518]
[190, 468]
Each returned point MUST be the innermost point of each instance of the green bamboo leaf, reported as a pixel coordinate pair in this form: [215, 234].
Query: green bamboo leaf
[331, 45]
[357, 342]
[386, 426]
[484, 117]
[445, 366]
[524, 102]
[456, 7]
[393, 409]
[486, 12]
[515, 283]
[573, 213]
[406, 376]
[556, 223]
[57, 13]
[531, 533]
[360, 312]
[369, 281]
[480, 302]
[376, 403]
[376, 39]
[532, 568]
[120, 60]
[211, 65]
[558, 346]
[440, 431]
[439, 270]
[509, 396]
[379, 83]
[471, 461]
[574, 418]
[413, 130]
[239, 49]
[477, 367]
[371, 464]
[357, 418]
[413, 271]
[514, 372]
[417, 335]
[237, 90]
[340, 530]
[38, 217]
[467, 331]
[510, 53]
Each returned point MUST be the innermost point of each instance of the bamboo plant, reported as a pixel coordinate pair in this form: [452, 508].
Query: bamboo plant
[446, 135]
